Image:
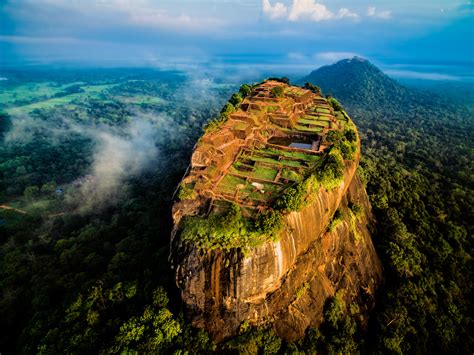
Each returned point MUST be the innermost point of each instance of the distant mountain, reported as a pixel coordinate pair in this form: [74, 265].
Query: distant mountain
[356, 81]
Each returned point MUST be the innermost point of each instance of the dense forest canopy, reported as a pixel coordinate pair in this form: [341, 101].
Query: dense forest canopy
[89, 161]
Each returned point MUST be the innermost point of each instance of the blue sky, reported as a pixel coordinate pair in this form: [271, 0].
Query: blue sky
[405, 36]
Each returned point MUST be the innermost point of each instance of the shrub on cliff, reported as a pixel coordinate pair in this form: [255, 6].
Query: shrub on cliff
[335, 104]
[345, 142]
[313, 88]
[295, 197]
[269, 222]
[331, 172]
[216, 231]
[231, 230]
[245, 90]
[235, 100]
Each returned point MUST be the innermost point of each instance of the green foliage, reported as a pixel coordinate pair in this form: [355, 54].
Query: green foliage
[335, 310]
[31, 192]
[104, 260]
[152, 332]
[5, 124]
[296, 197]
[338, 333]
[269, 222]
[364, 84]
[350, 135]
[291, 175]
[292, 199]
[186, 192]
[245, 90]
[419, 200]
[315, 89]
[255, 340]
[50, 265]
[335, 220]
[331, 172]
[302, 290]
[235, 100]
[340, 141]
[231, 230]
[335, 104]
[357, 209]
[277, 91]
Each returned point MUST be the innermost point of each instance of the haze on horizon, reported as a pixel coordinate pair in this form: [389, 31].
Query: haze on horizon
[412, 39]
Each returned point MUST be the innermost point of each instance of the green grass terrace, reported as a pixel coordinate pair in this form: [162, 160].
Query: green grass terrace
[258, 176]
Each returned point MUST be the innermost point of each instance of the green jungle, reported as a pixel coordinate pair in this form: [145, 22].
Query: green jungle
[90, 160]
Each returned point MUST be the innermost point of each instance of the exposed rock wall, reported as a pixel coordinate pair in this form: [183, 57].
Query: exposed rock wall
[284, 283]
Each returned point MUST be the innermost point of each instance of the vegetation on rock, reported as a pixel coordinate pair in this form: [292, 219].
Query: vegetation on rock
[84, 282]
[230, 230]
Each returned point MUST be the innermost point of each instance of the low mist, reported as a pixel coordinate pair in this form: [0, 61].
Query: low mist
[119, 154]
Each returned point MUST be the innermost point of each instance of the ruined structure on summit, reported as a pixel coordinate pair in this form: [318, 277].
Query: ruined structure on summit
[277, 133]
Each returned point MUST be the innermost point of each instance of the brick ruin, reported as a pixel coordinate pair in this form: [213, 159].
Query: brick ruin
[267, 144]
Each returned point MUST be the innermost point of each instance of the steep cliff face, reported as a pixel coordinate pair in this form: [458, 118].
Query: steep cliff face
[285, 282]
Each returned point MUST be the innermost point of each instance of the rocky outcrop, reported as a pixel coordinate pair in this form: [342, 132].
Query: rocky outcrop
[284, 283]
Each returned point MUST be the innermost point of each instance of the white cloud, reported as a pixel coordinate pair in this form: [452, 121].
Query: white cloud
[279, 10]
[310, 10]
[161, 19]
[373, 12]
[139, 13]
[148, 15]
[421, 75]
[301, 10]
[346, 13]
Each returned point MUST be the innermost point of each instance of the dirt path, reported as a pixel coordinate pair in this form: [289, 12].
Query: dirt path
[5, 207]
[56, 214]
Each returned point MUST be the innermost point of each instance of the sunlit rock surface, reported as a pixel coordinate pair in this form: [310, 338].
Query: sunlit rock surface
[283, 283]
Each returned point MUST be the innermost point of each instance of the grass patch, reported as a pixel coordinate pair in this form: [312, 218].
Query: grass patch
[59, 101]
[309, 129]
[294, 155]
[264, 173]
[318, 123]
[230, 182]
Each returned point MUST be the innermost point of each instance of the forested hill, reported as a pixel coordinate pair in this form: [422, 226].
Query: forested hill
[415, 123]
[357, 80]
[418, 164]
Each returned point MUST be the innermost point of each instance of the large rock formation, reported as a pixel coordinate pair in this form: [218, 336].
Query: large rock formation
[285, 281]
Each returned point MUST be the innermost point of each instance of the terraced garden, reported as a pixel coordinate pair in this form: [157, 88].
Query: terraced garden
[257, 176]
